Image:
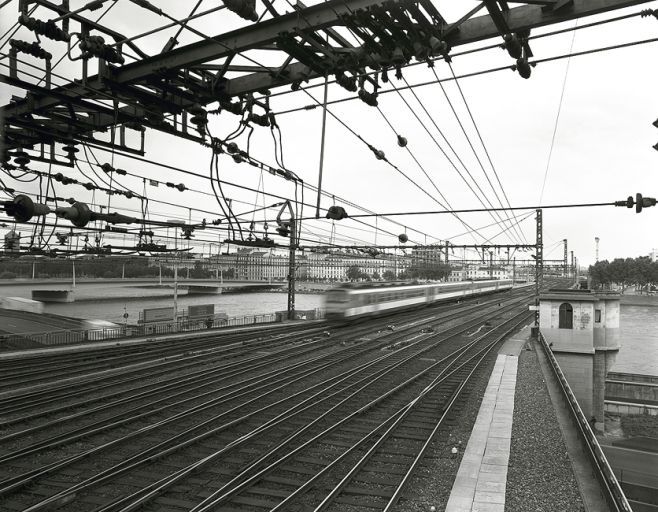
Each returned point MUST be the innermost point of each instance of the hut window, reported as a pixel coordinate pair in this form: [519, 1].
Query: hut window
[566, 316]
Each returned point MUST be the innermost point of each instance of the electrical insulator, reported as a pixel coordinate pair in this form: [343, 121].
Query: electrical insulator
[438, 46]
[94, 46]
[22, 208]
[403, 238]
[78, 213]
[397, 57]
[70, 151]
[237, 158]
[379, 154]
[21, 158]
[47, 29]
[33, 49]
[244, 8]
[181, 187]
[346, 82]
[402, 141]
[283, 230]
[523, 67]
[233, 108]
[643, 202]
[368, 98]
[420, 50]
[232, 148]
[260, 120]
[513, 46]
[296, 85]
[90, 186]
[336, 213]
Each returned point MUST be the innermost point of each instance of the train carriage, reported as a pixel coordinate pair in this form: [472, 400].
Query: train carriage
[358, 301]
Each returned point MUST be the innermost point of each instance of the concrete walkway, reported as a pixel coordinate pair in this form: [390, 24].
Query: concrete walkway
[482, 475]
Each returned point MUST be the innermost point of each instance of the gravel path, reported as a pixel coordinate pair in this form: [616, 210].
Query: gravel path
[540, 476]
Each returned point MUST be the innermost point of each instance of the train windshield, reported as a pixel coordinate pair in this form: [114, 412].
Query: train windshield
[337, 296]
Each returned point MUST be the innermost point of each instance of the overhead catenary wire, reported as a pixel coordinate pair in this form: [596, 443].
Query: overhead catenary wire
[557, 118]
[444, 153]
[519, 232]
[484, 72]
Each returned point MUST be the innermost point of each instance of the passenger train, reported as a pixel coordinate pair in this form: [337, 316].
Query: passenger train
[351, 301]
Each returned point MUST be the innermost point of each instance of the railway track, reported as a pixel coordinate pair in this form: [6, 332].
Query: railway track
[99, 462]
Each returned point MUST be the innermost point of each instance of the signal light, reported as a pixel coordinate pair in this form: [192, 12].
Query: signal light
[244, 8]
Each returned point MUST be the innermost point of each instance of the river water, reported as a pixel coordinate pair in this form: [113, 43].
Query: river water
[639, 340]
[109, 301]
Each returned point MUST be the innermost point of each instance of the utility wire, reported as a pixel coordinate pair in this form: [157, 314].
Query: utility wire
[484, 146]
[557, 117]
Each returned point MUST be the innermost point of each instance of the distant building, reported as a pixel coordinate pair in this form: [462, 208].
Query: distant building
[12, 241]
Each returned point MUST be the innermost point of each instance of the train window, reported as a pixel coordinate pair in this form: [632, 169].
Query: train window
[566, 316]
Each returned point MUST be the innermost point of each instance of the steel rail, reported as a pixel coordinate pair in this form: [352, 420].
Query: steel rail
[399, 415]
[477, 307]
[156, 489]
[11, 484]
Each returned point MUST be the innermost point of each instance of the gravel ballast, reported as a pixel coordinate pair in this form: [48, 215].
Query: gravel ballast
[540, 476]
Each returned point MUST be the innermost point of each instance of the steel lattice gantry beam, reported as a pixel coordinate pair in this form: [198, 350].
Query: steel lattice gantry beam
[392, 32]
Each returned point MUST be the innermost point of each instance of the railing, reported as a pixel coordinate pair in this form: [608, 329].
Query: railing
[610, 487]
[65, 337]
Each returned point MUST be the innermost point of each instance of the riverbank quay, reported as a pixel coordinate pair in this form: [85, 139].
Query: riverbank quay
[59, 349]
[523, 453]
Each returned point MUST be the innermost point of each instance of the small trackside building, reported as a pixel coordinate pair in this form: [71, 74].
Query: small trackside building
[582, 329]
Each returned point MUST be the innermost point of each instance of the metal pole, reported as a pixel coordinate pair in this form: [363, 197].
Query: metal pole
[566, 267]
[291, 272]
[73, 261]
[175, 292]
[539, 264]
[324, 126]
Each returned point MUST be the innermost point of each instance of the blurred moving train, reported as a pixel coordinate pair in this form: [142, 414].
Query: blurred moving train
[355, 301]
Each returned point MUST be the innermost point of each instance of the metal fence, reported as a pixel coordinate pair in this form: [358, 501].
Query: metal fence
[66, 337]
[610, 487]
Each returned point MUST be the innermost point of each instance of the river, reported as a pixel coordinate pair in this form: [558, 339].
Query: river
[109, 301]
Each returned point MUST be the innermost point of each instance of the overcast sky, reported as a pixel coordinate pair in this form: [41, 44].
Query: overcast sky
[602, 149]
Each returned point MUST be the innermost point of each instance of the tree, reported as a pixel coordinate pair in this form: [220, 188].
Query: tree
[376, 276]
[389, 275]
[354, 273]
